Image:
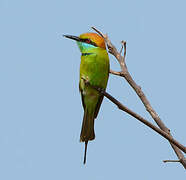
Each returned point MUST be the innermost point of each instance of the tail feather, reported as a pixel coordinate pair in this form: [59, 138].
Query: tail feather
[87, 130]
[85, 153]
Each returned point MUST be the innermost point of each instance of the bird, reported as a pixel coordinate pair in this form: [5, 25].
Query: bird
[94, 68]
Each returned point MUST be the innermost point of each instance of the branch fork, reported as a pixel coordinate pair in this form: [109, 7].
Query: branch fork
[126, 75]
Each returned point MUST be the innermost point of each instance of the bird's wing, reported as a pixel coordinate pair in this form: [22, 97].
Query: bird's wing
[82, 98]
[99, 100]
[98, 106]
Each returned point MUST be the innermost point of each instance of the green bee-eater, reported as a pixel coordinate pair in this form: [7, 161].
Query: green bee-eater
[94, 68]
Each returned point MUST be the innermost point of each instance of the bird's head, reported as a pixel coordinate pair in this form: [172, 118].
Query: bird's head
[88, 41]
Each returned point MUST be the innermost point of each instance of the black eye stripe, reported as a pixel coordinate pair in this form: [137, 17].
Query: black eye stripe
[88, 41]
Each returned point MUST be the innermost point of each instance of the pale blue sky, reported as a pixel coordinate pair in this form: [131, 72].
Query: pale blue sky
[40, 105]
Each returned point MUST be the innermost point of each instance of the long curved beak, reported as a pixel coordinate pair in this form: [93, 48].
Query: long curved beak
[72, 37]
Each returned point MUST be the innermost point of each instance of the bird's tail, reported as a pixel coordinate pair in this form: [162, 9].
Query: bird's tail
[87, 130]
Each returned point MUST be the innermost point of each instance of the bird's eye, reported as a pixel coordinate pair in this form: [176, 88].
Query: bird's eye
[88, 41]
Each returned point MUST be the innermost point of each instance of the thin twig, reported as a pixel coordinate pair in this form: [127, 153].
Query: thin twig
[121, 48]
[116, 73]
[125, 74]
[125, 48]
[99, 32]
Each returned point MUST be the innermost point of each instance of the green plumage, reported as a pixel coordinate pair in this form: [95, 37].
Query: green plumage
[94, 67]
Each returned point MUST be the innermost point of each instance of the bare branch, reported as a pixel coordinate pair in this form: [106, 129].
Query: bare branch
[99, 32]
[116, 73]
[138, 117]
[125, 48]
[121, 48]
[124, 73]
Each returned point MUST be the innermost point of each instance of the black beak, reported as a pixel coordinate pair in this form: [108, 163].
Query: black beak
[72, 37]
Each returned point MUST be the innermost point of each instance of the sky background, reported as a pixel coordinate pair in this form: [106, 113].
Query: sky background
[40, 105]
